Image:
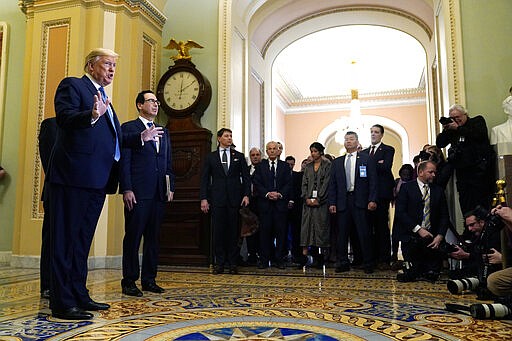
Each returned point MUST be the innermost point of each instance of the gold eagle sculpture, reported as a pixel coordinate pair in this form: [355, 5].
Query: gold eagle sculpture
[182, 47]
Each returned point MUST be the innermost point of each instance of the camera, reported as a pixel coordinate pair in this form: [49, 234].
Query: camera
[493, 222]
[447, 248]
[445, 120]
[426, 156]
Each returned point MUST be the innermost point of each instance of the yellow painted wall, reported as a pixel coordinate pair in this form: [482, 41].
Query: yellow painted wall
[11, 117]
[487, 28]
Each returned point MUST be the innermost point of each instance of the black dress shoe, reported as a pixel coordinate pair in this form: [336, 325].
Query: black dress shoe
[280, 265]
[73, 313]
[431, 276]
[132, 290]
[152, 287]
[233, 270]
[218, 270]
[93, 306]
[45, 294]
[368, 270]
[405, 277]
[342, 268]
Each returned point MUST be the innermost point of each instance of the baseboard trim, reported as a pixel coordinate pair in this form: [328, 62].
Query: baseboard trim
[32, 262]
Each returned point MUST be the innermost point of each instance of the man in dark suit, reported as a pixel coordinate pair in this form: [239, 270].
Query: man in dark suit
[422, 214]
[295, 212]
[83, 169]
[225, 186]
[382, 156]
[273, 181]
[147, 183]
[253, 243]
[47, 137]
[353, 192]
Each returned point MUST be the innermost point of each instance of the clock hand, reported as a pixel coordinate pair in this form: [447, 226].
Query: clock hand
[189, 85]
[181, 89]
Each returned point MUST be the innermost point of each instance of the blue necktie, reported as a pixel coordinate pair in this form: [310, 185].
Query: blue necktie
[150, 124]
[117, 154]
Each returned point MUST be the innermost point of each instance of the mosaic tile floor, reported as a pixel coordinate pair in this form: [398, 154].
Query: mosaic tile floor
[254, 305]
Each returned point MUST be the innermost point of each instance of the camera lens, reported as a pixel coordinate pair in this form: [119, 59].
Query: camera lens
[458, 286]
[489, 311]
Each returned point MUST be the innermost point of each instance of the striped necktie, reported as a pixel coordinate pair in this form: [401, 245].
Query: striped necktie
[426, 208]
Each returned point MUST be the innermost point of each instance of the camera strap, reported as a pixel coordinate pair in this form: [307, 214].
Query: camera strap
[457, 308]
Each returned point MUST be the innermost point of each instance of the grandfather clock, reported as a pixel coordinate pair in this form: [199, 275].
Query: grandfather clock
[185, 93]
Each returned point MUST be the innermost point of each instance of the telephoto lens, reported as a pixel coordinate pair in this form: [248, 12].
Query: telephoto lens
[458, 286]
[490, 311]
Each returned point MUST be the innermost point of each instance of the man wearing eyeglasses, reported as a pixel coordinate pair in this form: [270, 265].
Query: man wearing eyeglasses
[480, 256]
[147, 184]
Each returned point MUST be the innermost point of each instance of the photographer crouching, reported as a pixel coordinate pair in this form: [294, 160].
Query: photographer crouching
[499, 282]
[480, 256]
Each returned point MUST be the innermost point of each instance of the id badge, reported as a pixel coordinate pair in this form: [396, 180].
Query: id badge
[315, 194]
[362, 171]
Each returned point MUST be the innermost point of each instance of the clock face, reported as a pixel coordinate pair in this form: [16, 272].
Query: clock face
[181, 90]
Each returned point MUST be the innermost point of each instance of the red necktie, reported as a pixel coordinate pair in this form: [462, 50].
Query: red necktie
[372, 151]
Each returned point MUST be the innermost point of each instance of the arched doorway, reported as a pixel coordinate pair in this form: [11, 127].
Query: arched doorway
[265, 28]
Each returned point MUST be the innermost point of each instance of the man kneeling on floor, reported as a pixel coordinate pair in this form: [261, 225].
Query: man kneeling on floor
[422, 216]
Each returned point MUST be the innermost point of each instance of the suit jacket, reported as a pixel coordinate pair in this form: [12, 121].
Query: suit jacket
[47, 137]
[143, 170]
[409, 210]
[385, 179]
[264, 183]
[221, 189]
[83, 155]
[365, 188]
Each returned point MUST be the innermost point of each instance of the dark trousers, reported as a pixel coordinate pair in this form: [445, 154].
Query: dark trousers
[74, 214]
[475, 188]
[253, 241]
[472, 195]
[353, 218]
[273, 226]
[422, 258]
[253, 246]
[379, 225]
[294, 227]
[44, 263]
[225, 235]
[143, 220]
